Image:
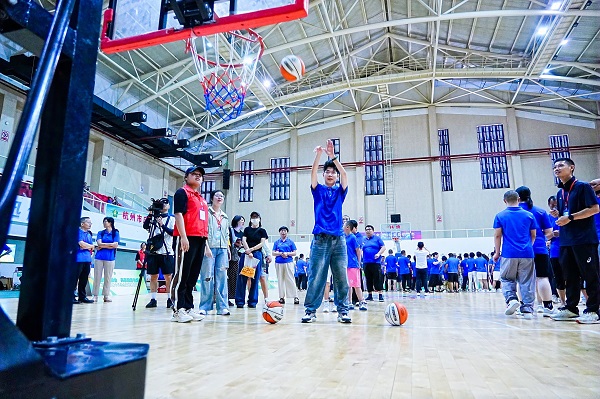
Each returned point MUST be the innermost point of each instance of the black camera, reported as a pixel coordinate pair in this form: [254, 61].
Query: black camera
[157, 206]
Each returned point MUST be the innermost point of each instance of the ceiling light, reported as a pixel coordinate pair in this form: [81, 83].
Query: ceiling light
[542, 31]
[267, 83]
[556, 5]
[565, 41]
[546, 71]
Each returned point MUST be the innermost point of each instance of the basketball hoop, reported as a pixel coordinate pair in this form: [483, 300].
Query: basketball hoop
[226, 64]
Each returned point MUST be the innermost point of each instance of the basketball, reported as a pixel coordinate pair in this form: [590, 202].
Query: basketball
[273, 312]
[396, 314]
[292, 68]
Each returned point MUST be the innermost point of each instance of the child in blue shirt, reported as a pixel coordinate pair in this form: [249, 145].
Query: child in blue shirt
[391, 267]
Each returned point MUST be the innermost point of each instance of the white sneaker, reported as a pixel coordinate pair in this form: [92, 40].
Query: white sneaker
[181, 316]
[539, 309]
[512, 306]
[195, 315]
[588, 318]
[555, 299]
[527, 315]
[549, 312]
[333, 309]
[326, 307]
[564, 314]
[202, 312]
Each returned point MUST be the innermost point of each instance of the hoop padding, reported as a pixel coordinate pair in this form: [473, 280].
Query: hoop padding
[226, 64]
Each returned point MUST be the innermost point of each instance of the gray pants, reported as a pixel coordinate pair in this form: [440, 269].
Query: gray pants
[521, 271]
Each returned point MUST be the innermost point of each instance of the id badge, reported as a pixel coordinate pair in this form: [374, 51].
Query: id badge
[202, 214]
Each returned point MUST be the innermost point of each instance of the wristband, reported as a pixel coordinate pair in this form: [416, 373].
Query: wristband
[333, 159]
[571, 217]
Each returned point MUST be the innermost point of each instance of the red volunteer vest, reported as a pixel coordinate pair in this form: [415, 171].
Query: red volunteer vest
[196, 217]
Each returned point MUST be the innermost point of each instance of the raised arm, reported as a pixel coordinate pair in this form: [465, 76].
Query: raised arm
[331, 154]
[314, 178]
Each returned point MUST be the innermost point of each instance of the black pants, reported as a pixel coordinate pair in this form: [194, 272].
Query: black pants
[421, 280]
[82, 278]
[559, 277]
[187, 271]
[302, 281]
[581, 262]
[373, 277]
[465, 281]
[232, 274]
[406, 281]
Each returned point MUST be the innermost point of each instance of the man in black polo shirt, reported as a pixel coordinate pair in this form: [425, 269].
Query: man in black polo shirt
[576, 207]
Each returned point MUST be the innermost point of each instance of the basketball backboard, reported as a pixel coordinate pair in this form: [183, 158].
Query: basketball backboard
[133, 24]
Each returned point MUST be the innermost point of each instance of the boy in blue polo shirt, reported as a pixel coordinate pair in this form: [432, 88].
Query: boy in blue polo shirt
[391, 270]
[515, 230]
[452, 269]
[404, 270]
[328, 248]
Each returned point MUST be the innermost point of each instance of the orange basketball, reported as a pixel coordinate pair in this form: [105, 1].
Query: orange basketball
[273, 312]
[292, 68]
[396, 314]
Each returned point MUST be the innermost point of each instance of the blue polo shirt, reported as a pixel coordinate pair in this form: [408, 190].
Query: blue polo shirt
[391, 264]
[403, 264]
[575, 196]
[471, 267]
[328, 209]
[481, 264]
[284, 246]
[370, 248]
[543, 222]
[452, 264]
[300, 266]
[84, 255]
[107, 238]
[433, 265]
[555, 241]
[359, 239]
[465, 267]
[516, 225]
[351, 246]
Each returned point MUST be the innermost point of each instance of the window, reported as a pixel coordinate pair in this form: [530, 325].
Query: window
[247, 181]
[280, 179]
[374, 184]
[492, 157]
[559, 148]
[445, 164]
[208, 186]
[336, 148]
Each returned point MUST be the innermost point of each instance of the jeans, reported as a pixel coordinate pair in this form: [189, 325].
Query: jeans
[240, 288]
[520, 271]
[213, 278]
[327, 252]
[421, 281]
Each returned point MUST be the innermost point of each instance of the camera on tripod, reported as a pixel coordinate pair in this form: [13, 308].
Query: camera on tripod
[156, 209]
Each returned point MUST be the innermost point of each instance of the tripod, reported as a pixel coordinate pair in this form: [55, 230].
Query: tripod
[143, 270]
[137, 291]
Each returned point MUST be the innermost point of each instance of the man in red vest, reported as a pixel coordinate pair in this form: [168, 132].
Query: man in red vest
[190, 233]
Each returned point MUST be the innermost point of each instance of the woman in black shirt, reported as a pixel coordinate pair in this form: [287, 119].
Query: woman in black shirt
[252, 241]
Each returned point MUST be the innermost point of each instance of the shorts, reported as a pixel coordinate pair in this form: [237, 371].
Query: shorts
[542, 265]
[482, 275]
[392, 275]
[453, 277]
[166, 263]
[434, 280]
[354, 277]
[496, 275]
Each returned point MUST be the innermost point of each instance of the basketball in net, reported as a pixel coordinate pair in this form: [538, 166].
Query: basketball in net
[292, 68]
[226, 65]
[273, 312]
[396, 314]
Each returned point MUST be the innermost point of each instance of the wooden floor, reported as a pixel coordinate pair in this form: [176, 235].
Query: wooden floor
[453, 346]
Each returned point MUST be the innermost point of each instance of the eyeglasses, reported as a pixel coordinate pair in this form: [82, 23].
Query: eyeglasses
[219, 196]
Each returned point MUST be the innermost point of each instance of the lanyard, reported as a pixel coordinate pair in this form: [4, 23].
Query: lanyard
[566, 201]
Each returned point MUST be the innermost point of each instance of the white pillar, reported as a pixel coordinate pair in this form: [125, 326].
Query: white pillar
[435, 170]
[512, 144]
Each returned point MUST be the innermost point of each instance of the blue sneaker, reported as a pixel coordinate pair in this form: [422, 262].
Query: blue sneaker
[309, 317]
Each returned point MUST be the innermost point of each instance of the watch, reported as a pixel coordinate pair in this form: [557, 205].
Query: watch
[571, 217]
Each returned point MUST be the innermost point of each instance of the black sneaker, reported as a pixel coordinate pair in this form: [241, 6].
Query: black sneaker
[344, 318]
[309, 317]
[380, 297]
[85, 300]
[296, 301]
[75, 301]
[151, 304]
[369, 298]
[169, 303]
[282, 301]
